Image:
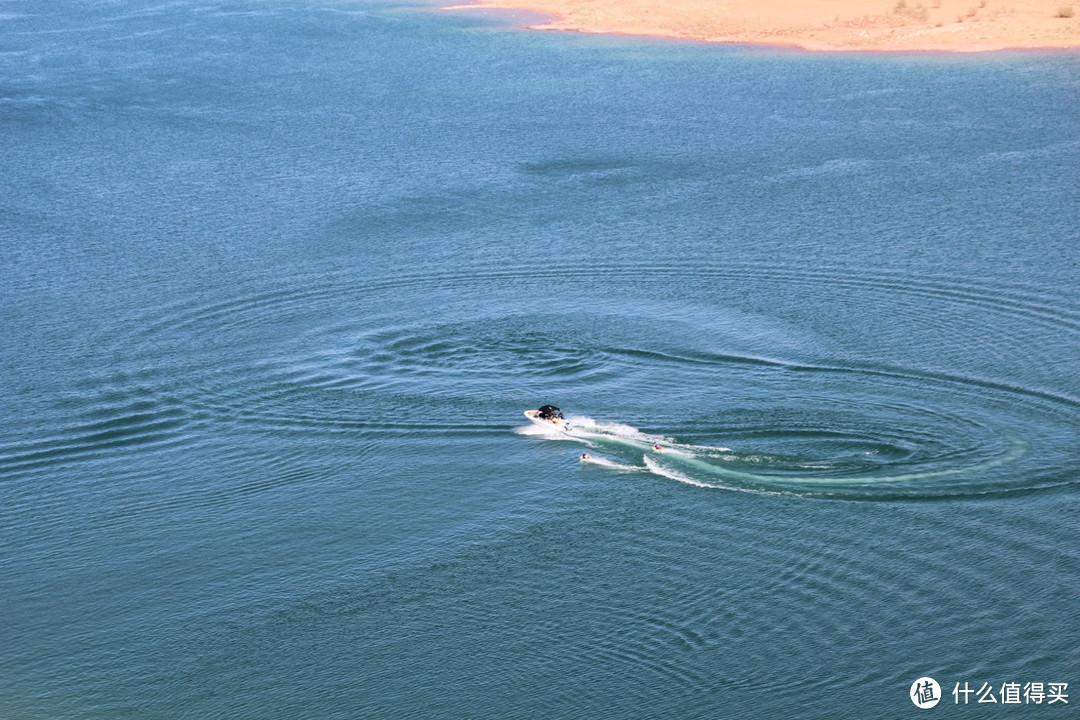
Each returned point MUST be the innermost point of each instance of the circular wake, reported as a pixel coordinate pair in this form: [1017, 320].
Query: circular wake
[868, 434]
[824, 382]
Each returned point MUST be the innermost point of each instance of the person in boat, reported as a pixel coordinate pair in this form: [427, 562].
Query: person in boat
[550, 413]
[585, 457]
[658, 447]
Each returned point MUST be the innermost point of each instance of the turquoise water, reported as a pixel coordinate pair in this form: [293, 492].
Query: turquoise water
[280, 277]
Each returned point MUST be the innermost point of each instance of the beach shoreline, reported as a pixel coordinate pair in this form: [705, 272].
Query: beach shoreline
[830, 25]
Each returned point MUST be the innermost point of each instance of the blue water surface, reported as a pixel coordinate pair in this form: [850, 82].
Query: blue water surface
[280, 277]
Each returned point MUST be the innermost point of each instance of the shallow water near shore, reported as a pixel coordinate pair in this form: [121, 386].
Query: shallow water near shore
[281, 277]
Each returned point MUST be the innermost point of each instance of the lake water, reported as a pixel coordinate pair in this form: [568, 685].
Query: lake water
[281, 276]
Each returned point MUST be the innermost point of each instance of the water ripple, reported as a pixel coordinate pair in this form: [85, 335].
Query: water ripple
[825, 422]
[111, 427]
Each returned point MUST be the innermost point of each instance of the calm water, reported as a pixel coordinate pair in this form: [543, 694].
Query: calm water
[280, 277]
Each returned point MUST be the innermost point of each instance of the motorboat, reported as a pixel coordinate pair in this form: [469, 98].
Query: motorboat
[549, 416]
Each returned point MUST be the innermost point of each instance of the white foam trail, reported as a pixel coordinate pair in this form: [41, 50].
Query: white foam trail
[709, 449]
[656, 469]
[606, 435]
[673, 450]
[535, 430]
[588, 425]
[612, 465]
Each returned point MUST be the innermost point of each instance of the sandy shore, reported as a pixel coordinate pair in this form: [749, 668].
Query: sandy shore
[948, 25]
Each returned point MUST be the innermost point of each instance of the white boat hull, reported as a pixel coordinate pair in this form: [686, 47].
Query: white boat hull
[552, 423]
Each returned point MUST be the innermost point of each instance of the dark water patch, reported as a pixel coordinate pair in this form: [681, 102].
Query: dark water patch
[115, 429]
[602, 171]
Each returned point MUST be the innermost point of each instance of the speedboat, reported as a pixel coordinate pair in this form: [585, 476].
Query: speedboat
[549, 416]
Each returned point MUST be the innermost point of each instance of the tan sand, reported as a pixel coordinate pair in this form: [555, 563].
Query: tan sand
[950, 25]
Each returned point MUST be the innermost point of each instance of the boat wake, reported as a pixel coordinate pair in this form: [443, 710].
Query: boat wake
[871, 475]
[618, 466]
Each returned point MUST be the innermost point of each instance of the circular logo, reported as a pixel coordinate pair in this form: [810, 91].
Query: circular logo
[925, 692]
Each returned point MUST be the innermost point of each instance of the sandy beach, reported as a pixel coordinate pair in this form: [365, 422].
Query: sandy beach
[829, 25]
